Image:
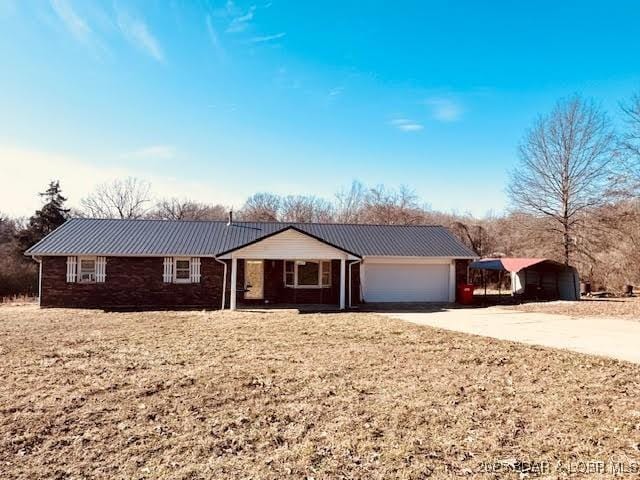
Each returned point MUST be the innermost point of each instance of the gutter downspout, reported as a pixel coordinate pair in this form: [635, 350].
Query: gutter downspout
[224, 281]
[39, 260]
[351, 265]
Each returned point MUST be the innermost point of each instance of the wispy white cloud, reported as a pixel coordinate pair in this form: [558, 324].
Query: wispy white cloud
[74, 23]
[240, 23]
[266, 38]
[406, 125]
[78, 25]
[214, 38]
[136, 31]
[333, 95]
[336, 91]
[152, 152]
[444, 109]
[230, 9]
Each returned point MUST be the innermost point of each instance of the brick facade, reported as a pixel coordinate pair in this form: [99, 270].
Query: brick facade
[136, 283]
[131, 282]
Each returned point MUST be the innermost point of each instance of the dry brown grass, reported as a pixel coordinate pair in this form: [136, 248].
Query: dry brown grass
[18, 300]
[587, 307]
[269, 395]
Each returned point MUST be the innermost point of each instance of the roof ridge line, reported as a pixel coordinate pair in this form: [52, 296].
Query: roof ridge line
[274, 222]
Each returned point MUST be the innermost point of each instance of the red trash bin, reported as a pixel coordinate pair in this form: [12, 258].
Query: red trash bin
[465, 294]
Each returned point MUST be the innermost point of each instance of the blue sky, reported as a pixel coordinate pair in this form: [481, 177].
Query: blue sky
[215, 100]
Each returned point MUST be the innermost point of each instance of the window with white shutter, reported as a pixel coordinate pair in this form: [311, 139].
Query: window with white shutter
[167, 276]
[101, 269]
[181, 270]
[72, 263]
[195, 270]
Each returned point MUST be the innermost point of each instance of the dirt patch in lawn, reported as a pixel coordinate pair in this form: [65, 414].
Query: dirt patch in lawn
[273, 395]
[587, 307]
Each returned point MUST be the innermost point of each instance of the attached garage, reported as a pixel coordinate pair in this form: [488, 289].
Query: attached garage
[231, 264]
[415, 281]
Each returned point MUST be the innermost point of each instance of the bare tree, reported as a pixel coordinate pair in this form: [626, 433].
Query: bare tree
[630, 145]
[349, 203]
[631, 139]
[565, 167]
[471, 235]
[176, 209]
[261, 207]
[18, 276]
[128, 198]
[305, 209]
[385, 206]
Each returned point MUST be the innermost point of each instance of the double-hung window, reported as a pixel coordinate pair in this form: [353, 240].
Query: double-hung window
[307, 273]
[87, 270]
[182, 271]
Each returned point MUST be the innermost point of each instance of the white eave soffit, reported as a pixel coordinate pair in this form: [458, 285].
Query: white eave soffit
[289, 245]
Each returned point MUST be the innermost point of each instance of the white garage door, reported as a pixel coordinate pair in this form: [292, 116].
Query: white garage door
[392, 282]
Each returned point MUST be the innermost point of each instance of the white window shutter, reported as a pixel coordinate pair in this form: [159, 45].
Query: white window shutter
[101, 269]
[195, 270]
[167, 276]
[72, 263]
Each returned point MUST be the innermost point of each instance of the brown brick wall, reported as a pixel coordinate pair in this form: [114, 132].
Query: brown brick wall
[131, 282]
[136, 282]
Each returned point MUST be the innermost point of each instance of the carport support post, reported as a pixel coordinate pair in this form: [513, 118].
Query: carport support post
[342, 282]
[234, 279]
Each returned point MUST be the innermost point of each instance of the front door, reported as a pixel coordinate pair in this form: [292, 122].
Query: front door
[253, 279]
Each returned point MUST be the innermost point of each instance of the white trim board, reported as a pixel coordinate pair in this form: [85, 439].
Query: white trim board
[410, 260]
[289, 245]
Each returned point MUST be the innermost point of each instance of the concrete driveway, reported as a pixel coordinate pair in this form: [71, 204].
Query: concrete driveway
[609, 337]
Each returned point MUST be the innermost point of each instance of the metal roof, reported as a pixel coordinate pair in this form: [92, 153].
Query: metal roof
[512, 264]
[111, 237]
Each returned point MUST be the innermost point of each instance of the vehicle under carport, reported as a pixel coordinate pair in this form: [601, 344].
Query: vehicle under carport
[535, 278]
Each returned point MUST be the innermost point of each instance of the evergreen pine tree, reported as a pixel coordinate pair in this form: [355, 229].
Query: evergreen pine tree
[47, 219]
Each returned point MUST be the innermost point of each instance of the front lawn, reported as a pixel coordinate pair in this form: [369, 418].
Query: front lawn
[270, 395]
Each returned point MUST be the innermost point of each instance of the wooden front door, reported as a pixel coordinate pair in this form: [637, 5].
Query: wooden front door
[253, 279]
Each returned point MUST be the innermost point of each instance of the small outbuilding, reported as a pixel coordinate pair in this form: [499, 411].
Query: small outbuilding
[536, 278]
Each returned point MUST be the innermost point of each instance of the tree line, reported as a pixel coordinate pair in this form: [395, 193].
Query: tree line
[574, 196]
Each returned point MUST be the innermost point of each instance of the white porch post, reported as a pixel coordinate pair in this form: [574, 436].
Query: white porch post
[342, 282]
[39, 260]
[234, 280]
[452, 281]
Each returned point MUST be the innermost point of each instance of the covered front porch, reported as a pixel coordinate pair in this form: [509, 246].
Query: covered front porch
[289, 268]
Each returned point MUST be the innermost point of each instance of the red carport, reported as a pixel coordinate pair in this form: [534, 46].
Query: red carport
[535, 278]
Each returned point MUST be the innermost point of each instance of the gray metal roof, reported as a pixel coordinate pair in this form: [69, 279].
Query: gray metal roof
[207, 238]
